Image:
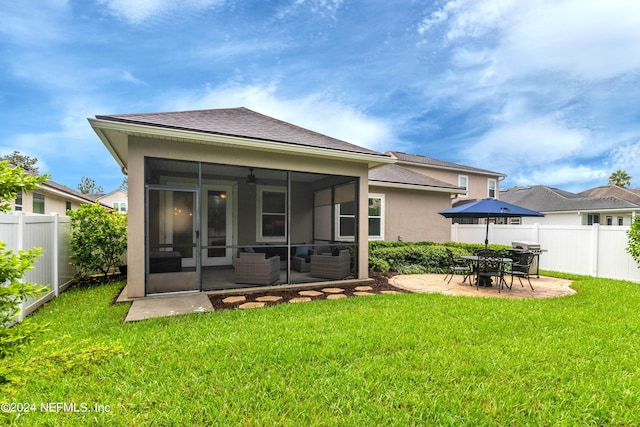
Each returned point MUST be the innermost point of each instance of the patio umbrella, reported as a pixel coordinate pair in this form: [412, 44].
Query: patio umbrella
[488, 208]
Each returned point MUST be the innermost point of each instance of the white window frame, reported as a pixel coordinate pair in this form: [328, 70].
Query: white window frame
[494, 189]
[620, 220]
[381, 197]
[465, 186]
[34, 201]
[118, 206]
[19, 198]
[260, 190]
[338, 231]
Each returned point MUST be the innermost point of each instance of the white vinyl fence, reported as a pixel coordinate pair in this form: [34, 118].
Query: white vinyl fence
[592, 250]
[22, 231]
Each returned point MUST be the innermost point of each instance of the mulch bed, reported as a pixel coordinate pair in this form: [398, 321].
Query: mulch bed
[380, 283]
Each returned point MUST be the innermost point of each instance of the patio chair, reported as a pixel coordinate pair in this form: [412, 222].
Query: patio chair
[521, 268]
[257, 269]
[490, 265]
[334, 266]
[455, 266]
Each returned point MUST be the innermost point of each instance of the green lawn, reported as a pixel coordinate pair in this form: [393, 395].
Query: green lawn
[408, 359]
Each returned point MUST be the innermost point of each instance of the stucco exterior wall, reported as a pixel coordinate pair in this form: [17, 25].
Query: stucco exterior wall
[412, 216]
[478, 185]
[116, 196]
[139, 147]
[53, 203]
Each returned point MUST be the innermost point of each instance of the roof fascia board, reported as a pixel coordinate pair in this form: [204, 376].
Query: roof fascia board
[64, 194]
[240, 142]
[416, 187]
[98, 127]
[451, 168]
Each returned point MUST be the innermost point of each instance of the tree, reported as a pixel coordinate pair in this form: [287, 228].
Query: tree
[633, 246]
[125, 185]
[27, 163]
[13, 266]
[620, 178]
[88, 186]
[98, 238]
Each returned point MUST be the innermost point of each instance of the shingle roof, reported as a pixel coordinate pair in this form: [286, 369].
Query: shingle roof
[63, 188]
[548, 199]
[394, 174]
[239, 122]
[612, 191]
[440, 164]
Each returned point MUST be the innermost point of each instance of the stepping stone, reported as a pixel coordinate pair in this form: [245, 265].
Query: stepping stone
[389, 292]
[252, 305]
[363, 288]
[333, 290]
[336, 296]
[310, 293]
[269, 298]
[234, 300]
[362, 294]
[301, 299]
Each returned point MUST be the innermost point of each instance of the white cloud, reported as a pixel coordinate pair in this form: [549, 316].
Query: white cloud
[314, 111]
[136, 12]
[627, 158]
[571, 178]
[31, 24]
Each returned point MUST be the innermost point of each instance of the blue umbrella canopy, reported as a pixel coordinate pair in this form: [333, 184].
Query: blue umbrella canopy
[488, 208]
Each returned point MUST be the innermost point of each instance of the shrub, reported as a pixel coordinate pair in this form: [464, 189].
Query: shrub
[98, 239]
[633, 233]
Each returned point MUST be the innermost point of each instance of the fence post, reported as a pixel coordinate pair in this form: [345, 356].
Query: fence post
[20, 247]
[55, 253]
[454, 232]
[595, 235]
[536, 232]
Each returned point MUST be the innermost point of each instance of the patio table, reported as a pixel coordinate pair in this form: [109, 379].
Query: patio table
[486, 282]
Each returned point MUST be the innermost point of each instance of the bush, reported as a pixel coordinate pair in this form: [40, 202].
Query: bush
[633, 233]
[98, 239]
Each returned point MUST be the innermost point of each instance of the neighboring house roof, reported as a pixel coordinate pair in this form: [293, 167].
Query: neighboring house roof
[397, 176]
[549, 199]
[239, 122]
[69, 192]
[612, 191]
[418, 159]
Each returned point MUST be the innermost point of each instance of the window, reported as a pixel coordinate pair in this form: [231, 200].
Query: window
[18, 203]
[593, 219]
[620, 220]
[463, 182]
[68, 206]
[120, 206]
[38, 203]
[346, 221]
[376, 217]
[492, 188]
[272, 214]
[609, 220]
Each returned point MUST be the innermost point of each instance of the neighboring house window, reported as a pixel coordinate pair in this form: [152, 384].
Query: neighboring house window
[593, 219]
[120, 206]
[18, 203]
[609, 220]
[492, 188]
[376, 216]
[620, 220]
[271, 214]
[38, 203]
[463, 182]
[514, 221]
[68, 206]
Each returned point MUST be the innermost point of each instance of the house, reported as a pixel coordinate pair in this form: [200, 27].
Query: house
[477, 183]
[50, 197]
[565, 208]
[116, 199]
[408, 203]
[230, 198]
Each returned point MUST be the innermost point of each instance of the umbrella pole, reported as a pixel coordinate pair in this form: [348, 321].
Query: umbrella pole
[486, 238]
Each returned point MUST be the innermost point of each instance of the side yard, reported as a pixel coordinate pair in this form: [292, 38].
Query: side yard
[406, 359]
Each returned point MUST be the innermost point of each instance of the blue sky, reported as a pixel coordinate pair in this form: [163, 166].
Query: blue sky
[545, 91]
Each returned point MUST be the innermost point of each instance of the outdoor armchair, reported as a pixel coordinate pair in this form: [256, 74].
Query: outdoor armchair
[331, 266]
[256, 269]
[455, 266]
[521, 268]
[490, 265]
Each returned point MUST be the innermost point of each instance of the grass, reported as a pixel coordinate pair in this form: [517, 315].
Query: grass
[408, 359]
